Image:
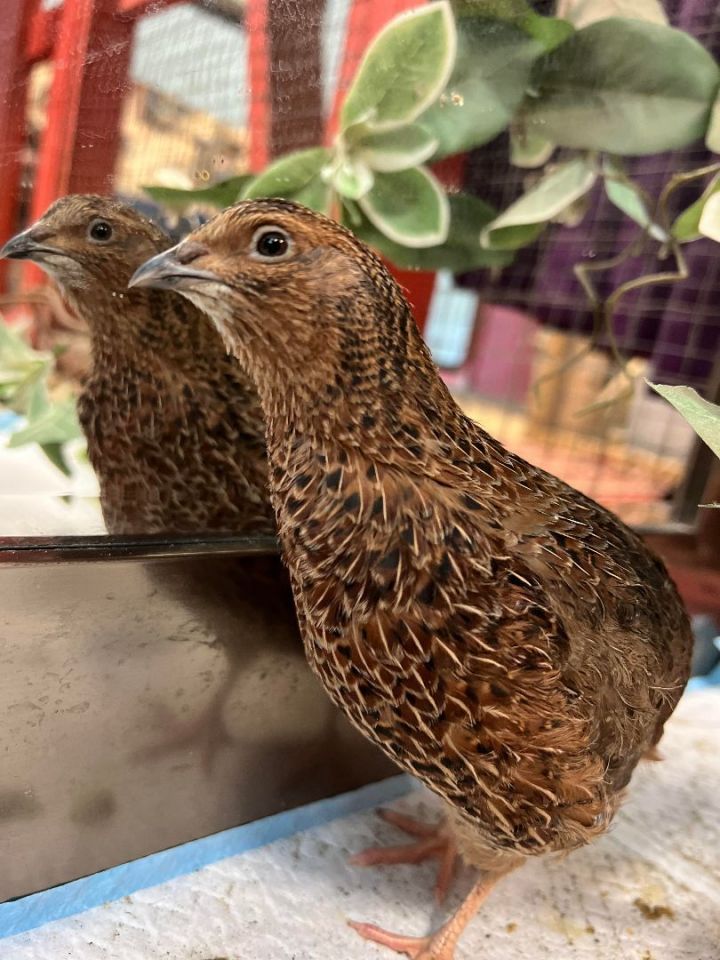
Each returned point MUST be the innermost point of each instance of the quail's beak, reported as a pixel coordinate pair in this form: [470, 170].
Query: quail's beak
[174, 269]
[29, 245]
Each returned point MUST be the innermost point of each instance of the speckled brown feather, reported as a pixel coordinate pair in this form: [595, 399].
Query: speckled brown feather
[500, 635]
[174, 429]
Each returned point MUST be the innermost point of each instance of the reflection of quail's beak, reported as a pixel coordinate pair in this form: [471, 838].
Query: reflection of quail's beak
[28, 245]
[168, 271]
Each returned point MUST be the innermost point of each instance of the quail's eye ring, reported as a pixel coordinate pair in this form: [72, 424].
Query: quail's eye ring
[271, 243]
[100, 231]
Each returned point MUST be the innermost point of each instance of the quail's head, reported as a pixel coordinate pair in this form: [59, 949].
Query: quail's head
[287, 288]
[87, 243]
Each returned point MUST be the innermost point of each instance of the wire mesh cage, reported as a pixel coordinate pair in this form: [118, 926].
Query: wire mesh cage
[182, 95]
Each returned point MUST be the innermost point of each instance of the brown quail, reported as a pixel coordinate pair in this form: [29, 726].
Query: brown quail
[501, 636]
[173, 425]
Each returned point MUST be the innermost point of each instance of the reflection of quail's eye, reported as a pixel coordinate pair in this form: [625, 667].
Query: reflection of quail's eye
[272, 244]
[100, 230]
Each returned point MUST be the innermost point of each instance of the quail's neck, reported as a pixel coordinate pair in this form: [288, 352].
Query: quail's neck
[384, 401]
[142, 327]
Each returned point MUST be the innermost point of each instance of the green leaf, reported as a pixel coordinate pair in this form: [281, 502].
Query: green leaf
[625, 87]
[409, 207]
[397, 149]
[404, 69]
[351, 215]
[513, 237]
[351, 178]
[38, 401]
[221, 194]
[460, 252]
[56, 424]
[21, 368]
[703, 416]
[709, 225]
[687, 225]
[712, 137]
[296, 176]
[584, 12]
[315, 194]
[508, 10]
[488, 83]
[550, 32]
[523, 220]
[16, 352]
[626, 196]
[528, 150]
[574, 213]
[54, 453]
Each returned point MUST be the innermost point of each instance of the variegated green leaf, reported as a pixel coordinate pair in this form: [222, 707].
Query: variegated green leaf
[404, 69]
[409, 207]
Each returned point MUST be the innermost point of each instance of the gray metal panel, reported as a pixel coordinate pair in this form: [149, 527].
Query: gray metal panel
[147, 702]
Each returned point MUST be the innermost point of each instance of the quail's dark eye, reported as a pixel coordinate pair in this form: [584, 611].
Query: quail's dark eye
[271, 243]
[100, 230]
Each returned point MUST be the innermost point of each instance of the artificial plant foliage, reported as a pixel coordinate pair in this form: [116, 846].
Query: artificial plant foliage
[529, 150]
[460, 251]
[703, 416]
[296, 176]
[20, 369]
[408, 207]
[550, 32]
[709, 224]
[607, 76]
[624, 86]
[488, 82]
[350, 179]
[404, 69]
[377, 157]
[23, 389]
[50, 425]
[627, 196]
[584, 12]
[379, 153]
[220, 194]
[687, 224]
[391, 150]
[554, 193]
[712, 137]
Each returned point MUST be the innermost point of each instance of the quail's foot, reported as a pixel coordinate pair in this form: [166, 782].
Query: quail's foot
[434, 841]
[441, 944]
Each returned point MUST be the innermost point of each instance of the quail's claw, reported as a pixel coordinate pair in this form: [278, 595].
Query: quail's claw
[414, 947]
[434, 842]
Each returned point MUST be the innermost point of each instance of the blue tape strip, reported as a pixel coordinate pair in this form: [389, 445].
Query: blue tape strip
[18, 916]
[703, 683]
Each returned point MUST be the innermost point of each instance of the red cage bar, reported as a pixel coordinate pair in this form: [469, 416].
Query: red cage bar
[89, 43]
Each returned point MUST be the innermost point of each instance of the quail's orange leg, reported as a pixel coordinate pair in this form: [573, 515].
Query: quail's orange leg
[441, 944]
[433, 842]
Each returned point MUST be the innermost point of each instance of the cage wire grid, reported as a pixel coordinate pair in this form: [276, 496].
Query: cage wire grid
[674, 329]
[185, 124]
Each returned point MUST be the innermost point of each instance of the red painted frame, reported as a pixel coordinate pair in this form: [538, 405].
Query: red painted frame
[17, 17]
[89, 42]
[81, 138]
[256, 18]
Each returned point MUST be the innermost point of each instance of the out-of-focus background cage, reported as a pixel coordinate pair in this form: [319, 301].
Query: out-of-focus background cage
[110, 95]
